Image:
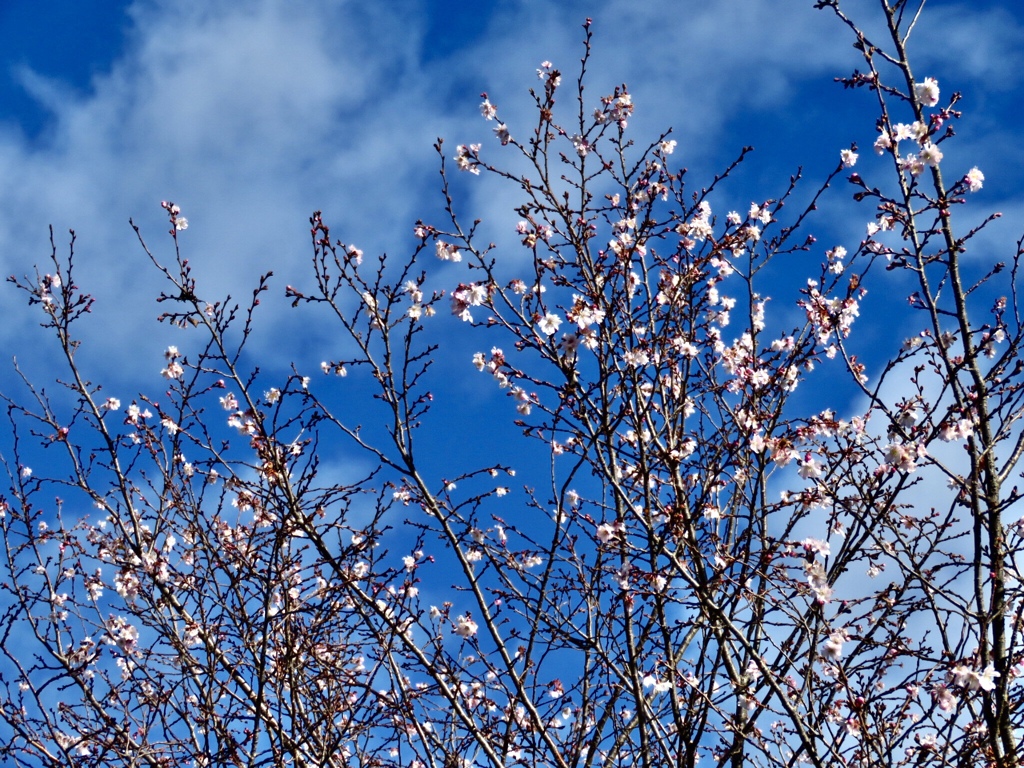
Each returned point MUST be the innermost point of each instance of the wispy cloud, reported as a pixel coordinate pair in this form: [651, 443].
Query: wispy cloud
[253, 115]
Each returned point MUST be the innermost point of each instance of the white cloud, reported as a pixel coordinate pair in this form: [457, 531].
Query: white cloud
[251, 116]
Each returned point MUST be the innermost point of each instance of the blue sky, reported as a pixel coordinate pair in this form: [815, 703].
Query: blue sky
[251, 115]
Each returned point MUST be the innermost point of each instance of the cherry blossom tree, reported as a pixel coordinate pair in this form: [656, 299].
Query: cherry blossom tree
[741, 537]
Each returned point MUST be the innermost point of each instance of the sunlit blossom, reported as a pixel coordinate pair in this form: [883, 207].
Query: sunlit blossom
[927, 92]
[809, 469]
[833, 647]
[974, 180]
[930, 155]
[173, 370]
[607, 532]
[549, 73]
[447, 251]
[548, 324]
[817, 579]
[635, 357]
[657, 686]
[973, 680]
[465, 626]
[467, 158]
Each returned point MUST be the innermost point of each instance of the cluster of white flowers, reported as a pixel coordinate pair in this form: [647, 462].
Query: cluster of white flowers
[829, 316]
[465, 626]
[466, 296]
[616, 108]
[973, 680]
[174, 369]
[467, 158]
[447, 251]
